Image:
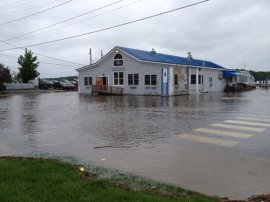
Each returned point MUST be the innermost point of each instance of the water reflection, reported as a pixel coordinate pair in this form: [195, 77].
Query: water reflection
[139, 130]
[113, 120]
[28, 115]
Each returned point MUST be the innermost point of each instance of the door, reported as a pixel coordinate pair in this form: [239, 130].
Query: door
[105, 81]
[98, 81]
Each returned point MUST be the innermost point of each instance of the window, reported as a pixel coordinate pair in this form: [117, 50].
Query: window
[87, 81]
[153, 80]
[193, 79]
[210, 81]
[118, 78]
[150, 80]
[230, 79]
[147, 80]
[118, 60]
[176, 79]
[133, 79]
[200, 79]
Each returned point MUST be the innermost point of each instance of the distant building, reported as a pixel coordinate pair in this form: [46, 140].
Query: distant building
[137, 72]
[235, 77]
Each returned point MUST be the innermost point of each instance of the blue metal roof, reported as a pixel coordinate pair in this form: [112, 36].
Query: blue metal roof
[231, 73]
[152, 56]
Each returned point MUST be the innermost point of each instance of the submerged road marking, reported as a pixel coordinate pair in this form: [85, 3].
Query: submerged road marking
[262, 116]
[253, 119]
[248, 123]
[207, 140]
[4, 147]
[224, 133]
[221, 125]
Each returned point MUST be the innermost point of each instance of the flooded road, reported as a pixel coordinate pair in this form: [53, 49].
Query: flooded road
[215, 143]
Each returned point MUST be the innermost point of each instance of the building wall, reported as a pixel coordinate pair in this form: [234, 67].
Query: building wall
[130, 66]
[163, 87]
[19, 86]
[217, 84]
[245, 78]
[180, 87]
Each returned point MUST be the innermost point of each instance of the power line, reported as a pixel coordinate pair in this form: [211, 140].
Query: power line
[25, 9]
[92, 17]
[53, 58]
[14, 4]
[49, 63]
[18, 5]
[111, 27]
[42, 11]
[72, 18]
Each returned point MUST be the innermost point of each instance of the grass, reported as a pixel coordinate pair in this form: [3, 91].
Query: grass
[28, 179]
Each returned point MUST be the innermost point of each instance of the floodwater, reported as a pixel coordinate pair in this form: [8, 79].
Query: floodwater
[170, 139]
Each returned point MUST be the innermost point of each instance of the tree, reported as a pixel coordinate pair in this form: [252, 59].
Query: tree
[260, 75]
[29, 65]
[4, 76]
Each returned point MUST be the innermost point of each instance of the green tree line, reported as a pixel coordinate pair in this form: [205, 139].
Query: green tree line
[260, 75]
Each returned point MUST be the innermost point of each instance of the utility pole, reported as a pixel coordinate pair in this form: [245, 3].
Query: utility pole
[90, 53]
[189, 58]
[101, 53]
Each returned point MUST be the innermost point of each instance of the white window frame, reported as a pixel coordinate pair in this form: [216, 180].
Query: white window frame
[118, 78]
[133, 79]
[87, 80]
[150, 80]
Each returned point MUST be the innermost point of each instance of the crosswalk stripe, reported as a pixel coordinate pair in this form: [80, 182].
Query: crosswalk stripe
[253, 119]
[224, 133]
[4, 147]
[262, 116]
[247, 123]
[229, 126]
[207, 140]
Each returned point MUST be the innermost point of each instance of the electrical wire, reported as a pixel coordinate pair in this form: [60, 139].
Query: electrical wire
[53, 58]
[72, 18]
[111, 27]
[25, 9]
[15, 4]
[21, 37]
[33, 14]
[49, 63]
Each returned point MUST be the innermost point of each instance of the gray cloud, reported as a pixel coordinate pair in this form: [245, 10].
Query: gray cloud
[229, 33]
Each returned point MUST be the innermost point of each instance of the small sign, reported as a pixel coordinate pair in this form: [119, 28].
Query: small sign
[165, 76]
[118, 69]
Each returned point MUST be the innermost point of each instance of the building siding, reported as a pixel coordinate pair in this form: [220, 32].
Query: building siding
[106, 68]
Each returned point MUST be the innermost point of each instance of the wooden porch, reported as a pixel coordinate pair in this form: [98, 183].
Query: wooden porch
[106, 90]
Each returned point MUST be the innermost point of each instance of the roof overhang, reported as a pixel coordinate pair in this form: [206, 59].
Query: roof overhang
[231, 73]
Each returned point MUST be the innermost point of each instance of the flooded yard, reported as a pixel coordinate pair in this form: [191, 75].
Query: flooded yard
[215, 143]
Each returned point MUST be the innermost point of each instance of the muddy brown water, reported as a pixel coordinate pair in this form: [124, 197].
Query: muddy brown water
[138, 134]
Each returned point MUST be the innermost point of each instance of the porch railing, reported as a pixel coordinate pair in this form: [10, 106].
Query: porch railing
[107, 90]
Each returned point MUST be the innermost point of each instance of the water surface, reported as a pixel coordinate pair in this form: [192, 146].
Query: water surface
[138, 134]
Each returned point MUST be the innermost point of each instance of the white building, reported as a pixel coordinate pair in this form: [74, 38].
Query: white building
[137, 72]
[239, 77]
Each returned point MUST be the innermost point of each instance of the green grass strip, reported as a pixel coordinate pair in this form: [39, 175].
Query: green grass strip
[34, 180]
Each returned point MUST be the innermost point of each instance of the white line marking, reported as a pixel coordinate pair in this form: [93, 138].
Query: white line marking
[207, 140]
[253, 119]
[247, 123]
[263, 116]
[4, 147]
[221, 125]
[225, 133]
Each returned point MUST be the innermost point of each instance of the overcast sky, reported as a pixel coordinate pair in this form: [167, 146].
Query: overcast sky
[231, 33]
